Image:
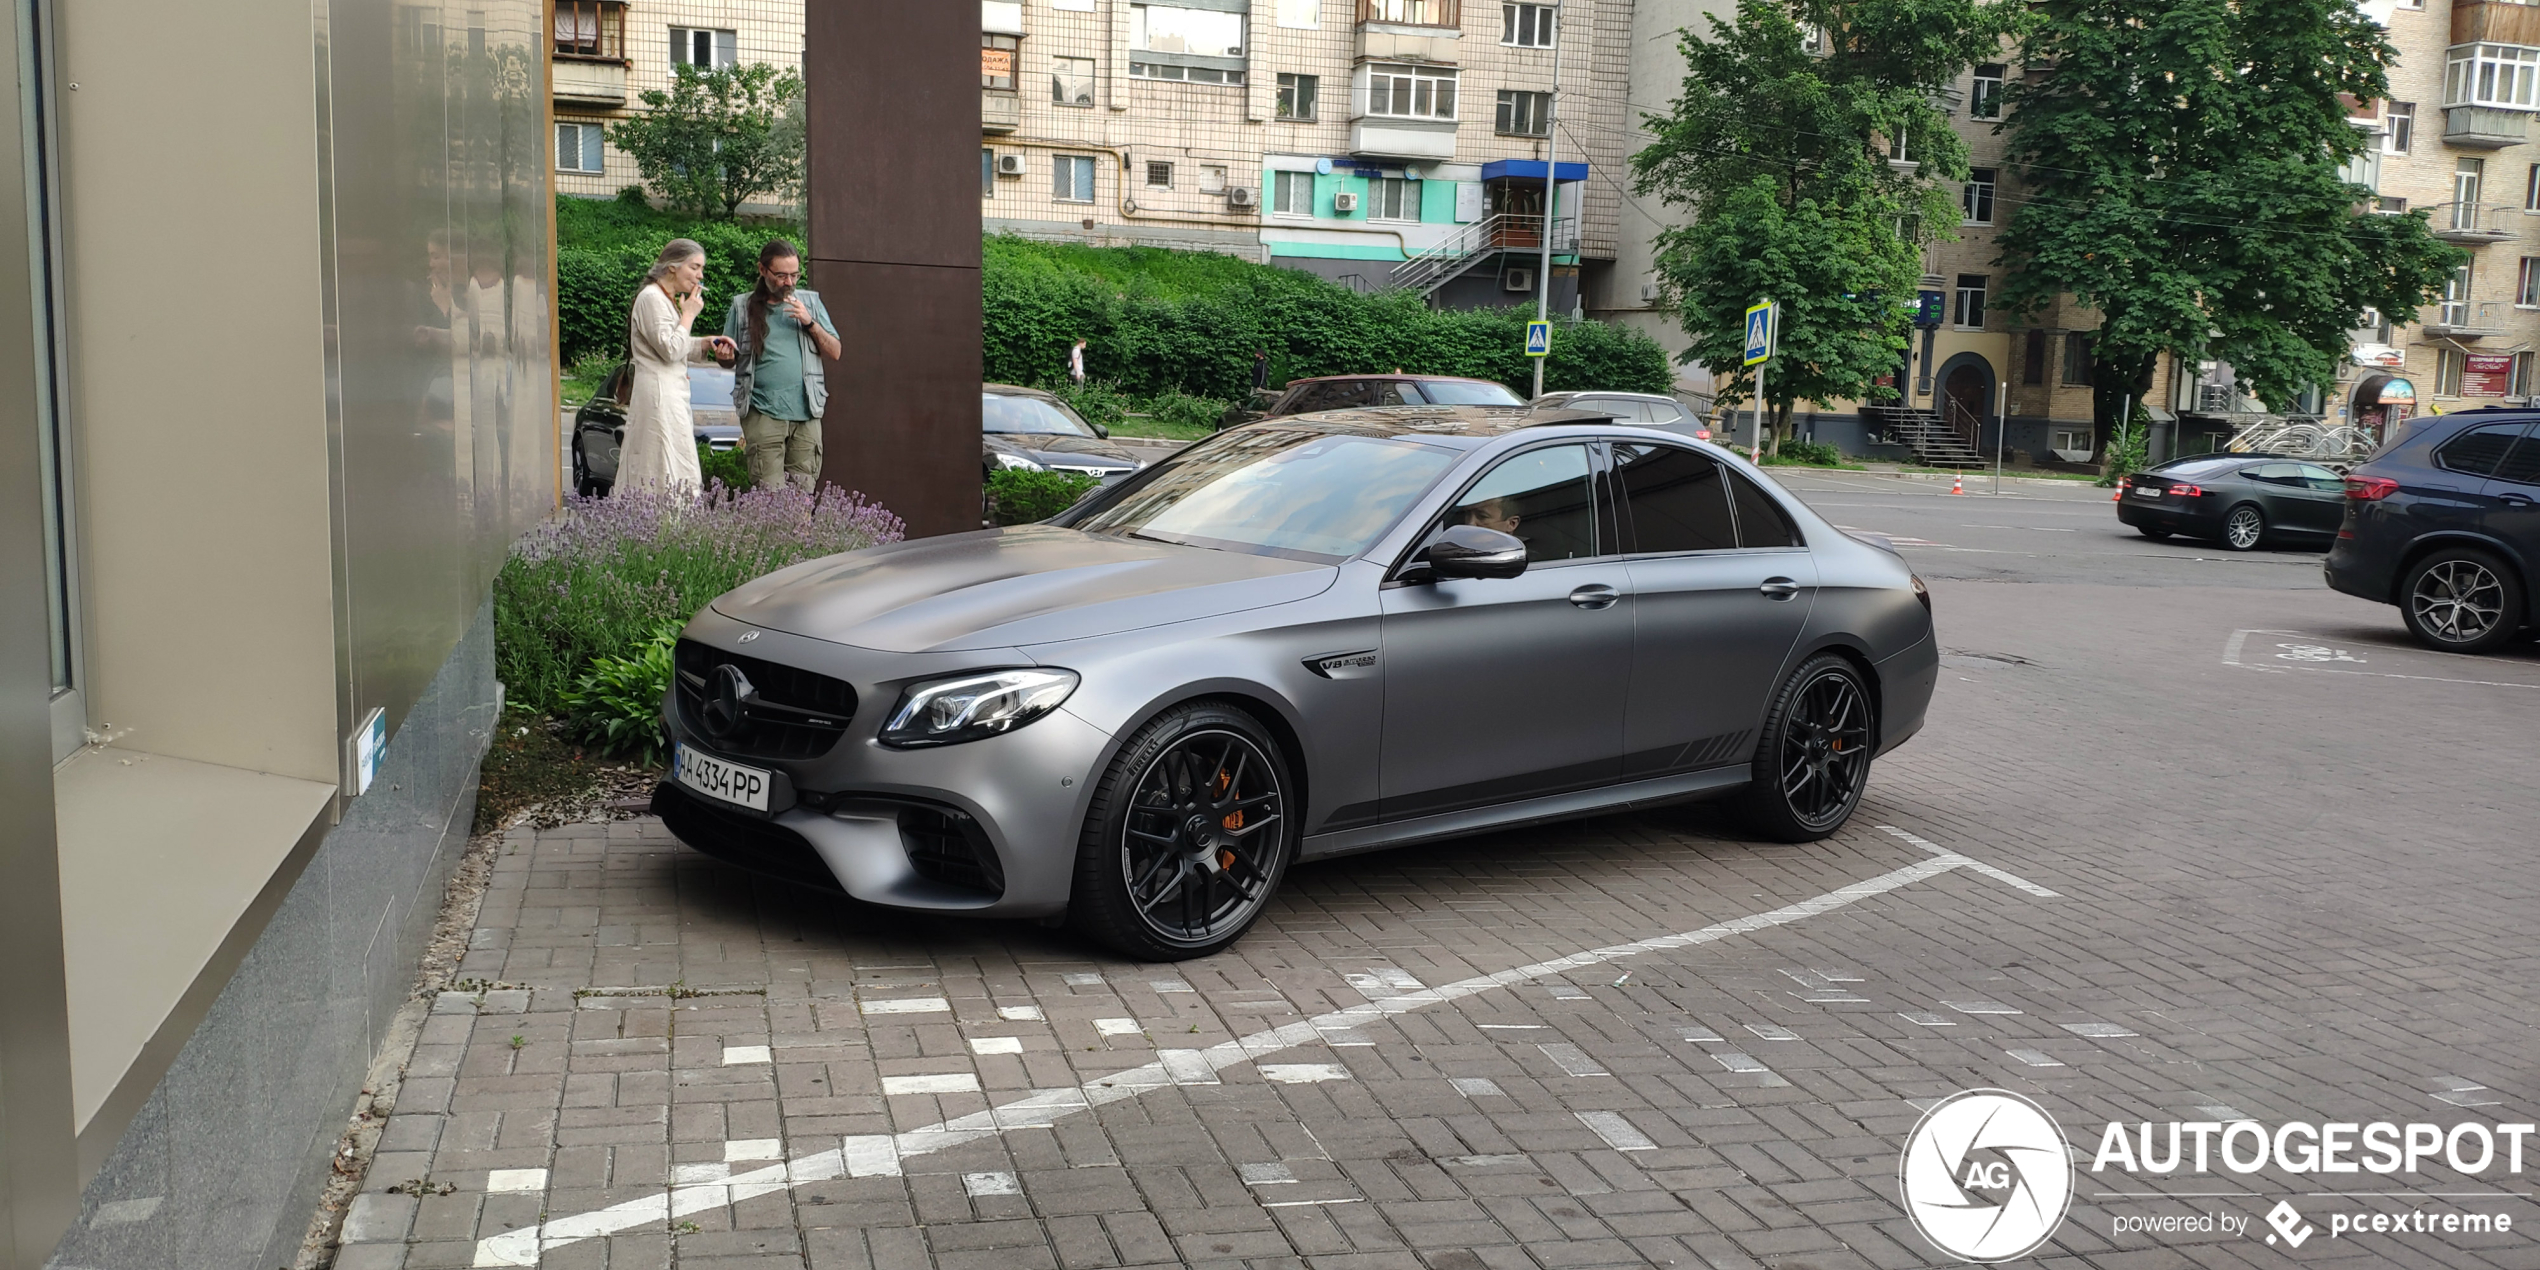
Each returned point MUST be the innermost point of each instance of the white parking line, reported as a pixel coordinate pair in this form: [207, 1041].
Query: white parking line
[879, 1155]
[2308, 657]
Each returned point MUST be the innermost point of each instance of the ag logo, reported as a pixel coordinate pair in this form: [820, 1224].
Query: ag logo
[1986, 1175]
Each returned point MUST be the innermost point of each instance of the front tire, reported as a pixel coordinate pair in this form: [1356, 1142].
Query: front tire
[1189, 836]
[1814, 758]
[2244, 527]
[2461, 600]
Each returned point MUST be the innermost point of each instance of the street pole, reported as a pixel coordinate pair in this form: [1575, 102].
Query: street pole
[1755, 451]
[1551, 184]
[2001, 430]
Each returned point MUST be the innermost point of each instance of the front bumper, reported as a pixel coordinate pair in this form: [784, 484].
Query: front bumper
[987, 827]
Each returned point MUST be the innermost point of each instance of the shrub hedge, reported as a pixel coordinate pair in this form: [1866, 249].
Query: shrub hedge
[604, 246]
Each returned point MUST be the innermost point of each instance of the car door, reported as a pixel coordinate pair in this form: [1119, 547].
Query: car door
[2289, 502]
[2509, 503]
[1716, 607]
[1500, 689]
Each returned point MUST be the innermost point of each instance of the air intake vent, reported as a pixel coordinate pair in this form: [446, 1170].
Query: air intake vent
[948, 847]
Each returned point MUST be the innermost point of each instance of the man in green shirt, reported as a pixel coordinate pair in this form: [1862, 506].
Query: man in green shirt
[779, 384]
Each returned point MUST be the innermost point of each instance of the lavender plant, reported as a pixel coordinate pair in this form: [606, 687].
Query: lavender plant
[600, 579]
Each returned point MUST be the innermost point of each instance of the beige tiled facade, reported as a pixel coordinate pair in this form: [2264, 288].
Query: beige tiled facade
[605, 87]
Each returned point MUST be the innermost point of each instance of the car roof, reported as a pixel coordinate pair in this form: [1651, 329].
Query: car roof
[1472, 423]
[1451, 379]
[1567, 394]
[1017, 390]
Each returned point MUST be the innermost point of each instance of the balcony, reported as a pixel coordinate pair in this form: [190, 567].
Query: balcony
[590, 81]
[1000, 111]
[1408, 30]
[2474, 224]
[2485, 127]
[1390, 137]
[2495, 22]
[2463, 321]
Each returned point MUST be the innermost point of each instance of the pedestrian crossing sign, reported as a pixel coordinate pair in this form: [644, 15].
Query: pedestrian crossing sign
[1759, 333]
[1538, 339]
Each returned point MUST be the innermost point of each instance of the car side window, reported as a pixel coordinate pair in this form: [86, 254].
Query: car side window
[2321, 479]
[1664, 413]
[1761, 522]
[2522, 466]
[1545, 497]
[2480, 450]
[1675, 499]
[1398, 392]
[2275, 473]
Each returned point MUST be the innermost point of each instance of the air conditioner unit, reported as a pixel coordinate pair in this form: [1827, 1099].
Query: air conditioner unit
[1011, 165]
[1240, 196]
[1517, 280]
[1344, 204]
[1649, 291]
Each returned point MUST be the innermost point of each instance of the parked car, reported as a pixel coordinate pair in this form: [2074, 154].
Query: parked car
[1305, 637]
[2241, 501]
[2445, 524]
[599, 427]
[1656, 410]
[1028, 428]
[1345, 392]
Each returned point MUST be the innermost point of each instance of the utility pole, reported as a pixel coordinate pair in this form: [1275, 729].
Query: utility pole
[1551, 182]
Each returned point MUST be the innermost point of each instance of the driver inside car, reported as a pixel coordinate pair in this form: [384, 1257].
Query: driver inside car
[1489, 513]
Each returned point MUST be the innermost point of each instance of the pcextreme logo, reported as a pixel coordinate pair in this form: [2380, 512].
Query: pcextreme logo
[1986, 1175]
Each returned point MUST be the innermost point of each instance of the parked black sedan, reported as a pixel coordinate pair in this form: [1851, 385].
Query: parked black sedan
[599, 427]
[2239, 500]
[1030, 429]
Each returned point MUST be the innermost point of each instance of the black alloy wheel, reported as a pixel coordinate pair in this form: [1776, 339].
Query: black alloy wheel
[2244, 527]
[1188, 836]
[2461, 600]
[581, 469]
[1814, 758]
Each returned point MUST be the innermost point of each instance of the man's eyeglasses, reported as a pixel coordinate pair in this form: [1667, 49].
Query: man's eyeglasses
[785, 275]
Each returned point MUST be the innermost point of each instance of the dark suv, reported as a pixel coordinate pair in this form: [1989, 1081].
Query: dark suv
[2445, 523]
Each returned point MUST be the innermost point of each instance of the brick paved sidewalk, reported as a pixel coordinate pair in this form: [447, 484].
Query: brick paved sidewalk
[2242, 925]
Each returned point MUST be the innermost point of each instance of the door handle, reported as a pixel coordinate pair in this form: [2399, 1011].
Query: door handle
[2514, 500]
[1779, 588]
[1595, 596]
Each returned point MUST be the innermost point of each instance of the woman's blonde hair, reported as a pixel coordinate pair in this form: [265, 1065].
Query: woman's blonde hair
[677, 252]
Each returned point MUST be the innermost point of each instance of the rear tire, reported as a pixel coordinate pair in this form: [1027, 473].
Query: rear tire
[1190, 833]
[2244, 527]
[2462, 600]
[1813, 760]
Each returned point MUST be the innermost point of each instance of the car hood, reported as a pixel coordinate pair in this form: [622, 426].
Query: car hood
[1003, 588]
[1058, 445]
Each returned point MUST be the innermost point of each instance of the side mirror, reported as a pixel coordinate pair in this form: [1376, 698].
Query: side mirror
[1101, 431]
[1471, 551]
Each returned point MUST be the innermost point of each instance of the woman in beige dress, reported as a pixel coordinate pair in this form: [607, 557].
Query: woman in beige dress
[660, 450]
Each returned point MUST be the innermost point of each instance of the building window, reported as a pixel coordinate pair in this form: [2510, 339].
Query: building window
[2522, 384]
[703, 49]
[2527, 285]
[1170, 28]
[1524, 114]
[1192, 74]
[2033, 357]
[1411, 12]
[2468, 177]
[1984, 100]
[1072, 178]
[1159, 175]
[2455, 310]
[1392, 198]
[2448, 365]
[591, 28]
[2491, 75]
[1212, 178]
[1296, 96]
[2076, 359]
[1970, 311]
[1897, 151]
[2374, 326]
[578, 148]
[996, 61]
[1975, 198]
[1292, 193]
[2531, 190]
[2390, 205]
[2400, 117]
[987, 172]
[1528, 26]
[2364, 170]
[1072, 81]
[1411, 92]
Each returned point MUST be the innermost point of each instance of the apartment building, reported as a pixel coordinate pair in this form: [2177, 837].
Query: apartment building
[606, 54]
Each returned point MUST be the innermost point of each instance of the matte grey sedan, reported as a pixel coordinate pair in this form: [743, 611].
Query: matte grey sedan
[1302, 638]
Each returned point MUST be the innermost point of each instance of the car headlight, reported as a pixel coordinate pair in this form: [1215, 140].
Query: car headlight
[1018, 461]
[969, 707]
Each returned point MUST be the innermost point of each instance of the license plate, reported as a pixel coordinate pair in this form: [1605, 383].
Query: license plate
[2146, 491]
[714, 778]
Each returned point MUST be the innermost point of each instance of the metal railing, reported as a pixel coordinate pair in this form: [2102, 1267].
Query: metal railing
[2474, 222]
[1412, 12]
[2302, 438]
[1964, 425]
[1434, 267]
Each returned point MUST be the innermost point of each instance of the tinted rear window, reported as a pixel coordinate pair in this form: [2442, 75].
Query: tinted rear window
[1457, 393]
[2480, 450]
[1761, 522]
[1677, 500]
[2190, 468]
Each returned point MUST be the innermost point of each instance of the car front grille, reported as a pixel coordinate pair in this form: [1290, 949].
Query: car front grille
[791, 713]
[948, 847]
[760, 846]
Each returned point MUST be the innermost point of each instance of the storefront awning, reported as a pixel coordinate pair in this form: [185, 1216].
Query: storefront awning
[1529, 169]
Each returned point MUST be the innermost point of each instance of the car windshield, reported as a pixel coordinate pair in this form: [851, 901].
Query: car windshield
[1456, 392]
[709, 388]
[2199, 467]
[1001, 413]
[1265, 490]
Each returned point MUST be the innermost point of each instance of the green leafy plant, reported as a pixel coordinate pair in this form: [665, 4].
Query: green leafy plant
[1019, 496]
[717, 137]
[732, 467]
[1811, 453]
[603, 247]
[2126, 450]
[616, 705]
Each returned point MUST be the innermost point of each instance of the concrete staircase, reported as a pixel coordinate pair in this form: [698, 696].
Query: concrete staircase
[1934, 443]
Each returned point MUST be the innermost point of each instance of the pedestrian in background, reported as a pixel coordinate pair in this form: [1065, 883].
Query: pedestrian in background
[1260, 369]
[780, 334]
[661, 445]
[1076, 362]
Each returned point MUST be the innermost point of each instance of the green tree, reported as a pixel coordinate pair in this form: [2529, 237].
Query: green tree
[1780, 148]
[2183, 172]
[717, 137]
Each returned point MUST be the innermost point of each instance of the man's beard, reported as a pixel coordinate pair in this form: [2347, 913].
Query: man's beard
[775, 294]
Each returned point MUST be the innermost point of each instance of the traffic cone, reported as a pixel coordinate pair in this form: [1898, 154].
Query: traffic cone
[1958, 483]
